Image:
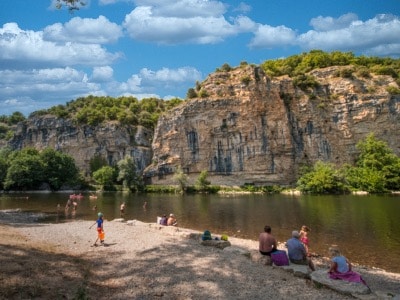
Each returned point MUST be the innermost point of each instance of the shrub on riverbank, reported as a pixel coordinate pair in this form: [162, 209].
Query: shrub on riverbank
[377, 170]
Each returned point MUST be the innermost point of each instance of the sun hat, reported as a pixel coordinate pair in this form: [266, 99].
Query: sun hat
[295, 234]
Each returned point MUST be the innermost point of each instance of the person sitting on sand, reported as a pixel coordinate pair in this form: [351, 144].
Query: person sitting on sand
[172, 220]
[341, 267]
[297, 252]
[267, 242]
[164, 220]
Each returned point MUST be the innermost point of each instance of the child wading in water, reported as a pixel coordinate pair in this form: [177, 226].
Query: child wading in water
[100, 230]
[304, 237]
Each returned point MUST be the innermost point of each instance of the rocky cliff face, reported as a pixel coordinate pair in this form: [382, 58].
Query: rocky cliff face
[110, 141]
[254, 129]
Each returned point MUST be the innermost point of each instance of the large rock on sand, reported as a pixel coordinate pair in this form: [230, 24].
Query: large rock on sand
[341, 286]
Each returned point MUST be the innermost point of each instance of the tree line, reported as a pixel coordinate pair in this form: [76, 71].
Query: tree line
[376, 170]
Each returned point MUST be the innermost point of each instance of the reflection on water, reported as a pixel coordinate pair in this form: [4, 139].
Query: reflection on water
[366, 228]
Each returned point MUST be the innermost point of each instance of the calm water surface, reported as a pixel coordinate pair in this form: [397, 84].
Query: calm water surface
[367, 228]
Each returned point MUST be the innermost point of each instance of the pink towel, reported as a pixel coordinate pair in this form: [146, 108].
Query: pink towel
[349, 276]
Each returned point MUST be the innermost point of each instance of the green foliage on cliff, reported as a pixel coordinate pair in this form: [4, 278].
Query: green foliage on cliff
[377, 170]
[305, 62]
[94, 110]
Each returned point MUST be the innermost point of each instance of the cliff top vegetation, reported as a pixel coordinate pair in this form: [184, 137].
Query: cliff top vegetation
[299, 67]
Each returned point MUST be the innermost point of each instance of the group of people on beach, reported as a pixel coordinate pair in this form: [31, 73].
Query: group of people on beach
[168, 221]
[298, 253]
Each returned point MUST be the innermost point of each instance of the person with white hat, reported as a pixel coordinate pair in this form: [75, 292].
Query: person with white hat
[297, 252]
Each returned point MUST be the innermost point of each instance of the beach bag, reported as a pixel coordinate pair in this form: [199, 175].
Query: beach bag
[279, 258]
[206, 236]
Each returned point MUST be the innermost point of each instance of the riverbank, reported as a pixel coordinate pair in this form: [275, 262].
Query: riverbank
[145, 261]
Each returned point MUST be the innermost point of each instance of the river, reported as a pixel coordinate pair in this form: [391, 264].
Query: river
[366, 228]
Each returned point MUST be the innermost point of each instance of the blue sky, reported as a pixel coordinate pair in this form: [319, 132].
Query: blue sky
[161, 48]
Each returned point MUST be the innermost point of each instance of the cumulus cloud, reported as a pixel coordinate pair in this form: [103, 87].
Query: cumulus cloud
[184, 8]
[377, 36]
[328, 23]
[243, 8]
[171, 75]
[28, 90]
[85, 31]
[184, 21]
[23, 48]
[165, 78]
[371, 36]
[268, 37]
[55, 80]
[102, 74]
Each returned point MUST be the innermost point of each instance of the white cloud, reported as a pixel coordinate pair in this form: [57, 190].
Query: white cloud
[243, 8]
[132, 85]
[140, 96]
[328, 23]
[148, 80]
[184, 8]
[35, 89]
[102, 74]
[268, 37]
[20, 48]
[34, 81]
[171, 75]
[85, 31]
[186, 21]
[377, 36]
[370, 36]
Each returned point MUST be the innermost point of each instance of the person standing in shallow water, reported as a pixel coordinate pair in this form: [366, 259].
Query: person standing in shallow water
[267, 242]
[122, 209]
[304, 238]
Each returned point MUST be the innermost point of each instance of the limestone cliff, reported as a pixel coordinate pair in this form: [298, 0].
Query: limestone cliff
[110, 141]
[250, 128]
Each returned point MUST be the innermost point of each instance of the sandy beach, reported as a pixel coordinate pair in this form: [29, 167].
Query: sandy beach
[147, 261]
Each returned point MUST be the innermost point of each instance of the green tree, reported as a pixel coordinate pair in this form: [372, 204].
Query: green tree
[105, 176]
[15, 118]
[202, 183]
[377, 168]
[321, 179]
[25, 170]
[3, 171]
[97, 162]
[59, 168]
[181, 178]
[191, 93]
[127, 173]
